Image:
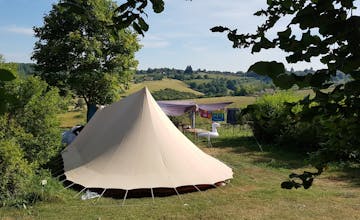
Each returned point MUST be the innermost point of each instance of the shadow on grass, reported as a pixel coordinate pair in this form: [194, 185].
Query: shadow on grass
[349, 173]
[274, 157]
[265, 155]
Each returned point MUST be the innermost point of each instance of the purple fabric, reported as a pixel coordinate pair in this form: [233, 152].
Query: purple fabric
[214, 106]
[177, 108]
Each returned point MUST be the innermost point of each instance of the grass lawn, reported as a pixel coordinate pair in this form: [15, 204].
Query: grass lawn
[254, 193]
[161, 84]
[72, 118]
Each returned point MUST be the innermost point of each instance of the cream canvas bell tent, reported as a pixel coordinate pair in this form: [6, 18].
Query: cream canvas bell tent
[132, 144]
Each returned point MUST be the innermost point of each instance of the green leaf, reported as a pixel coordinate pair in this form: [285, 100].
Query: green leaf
[321, 97]
[73, 7]
[122, 8]
[305, 17]
[6, 75]
[158, 5]
[137, 28]
[319, 78]
[264, 43]
[268, 68]
[256, 48]
[352, 86]
[219, 29]
[355, 74]
[2, 107]
[144, 26]
[284, 34]
[347, 3]
[284, 81]
[287, 4]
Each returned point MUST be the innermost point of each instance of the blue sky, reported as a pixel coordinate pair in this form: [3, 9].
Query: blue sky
[178, 37]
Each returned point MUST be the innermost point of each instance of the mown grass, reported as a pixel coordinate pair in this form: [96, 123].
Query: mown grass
[215, 76]
[238, 101]
[72, 118]
[161, 84]
[212, 76]
[253, 193]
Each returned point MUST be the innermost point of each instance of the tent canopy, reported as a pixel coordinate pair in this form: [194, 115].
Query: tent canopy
[177, 108]
[132, 144]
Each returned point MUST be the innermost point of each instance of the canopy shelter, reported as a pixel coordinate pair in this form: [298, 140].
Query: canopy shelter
[132, 144]
[177, 108]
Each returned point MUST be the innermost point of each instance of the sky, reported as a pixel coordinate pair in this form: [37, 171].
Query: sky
[178, 37]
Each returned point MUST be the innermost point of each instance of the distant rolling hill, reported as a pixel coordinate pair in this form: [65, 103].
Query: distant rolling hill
[161, 84]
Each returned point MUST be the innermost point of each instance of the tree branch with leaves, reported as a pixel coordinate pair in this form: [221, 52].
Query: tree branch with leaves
[328, 31]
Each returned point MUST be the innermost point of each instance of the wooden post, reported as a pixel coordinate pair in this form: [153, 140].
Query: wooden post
[193, 119]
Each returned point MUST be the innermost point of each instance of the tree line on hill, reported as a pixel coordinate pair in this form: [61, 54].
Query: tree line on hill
[216, 84]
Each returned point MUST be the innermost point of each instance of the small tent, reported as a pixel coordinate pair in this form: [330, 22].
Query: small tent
[132, 144]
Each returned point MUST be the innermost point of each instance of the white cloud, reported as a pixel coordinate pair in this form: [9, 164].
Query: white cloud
[19, 30]
[154, 41]
[156, 44]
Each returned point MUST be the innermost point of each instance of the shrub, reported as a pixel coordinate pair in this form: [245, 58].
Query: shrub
[273, 121]
[29, 138]
[20, 184]
[15, 172]
[33, 107]
[340, 141]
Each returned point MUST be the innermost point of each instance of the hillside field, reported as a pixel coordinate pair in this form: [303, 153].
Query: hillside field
[161, 84]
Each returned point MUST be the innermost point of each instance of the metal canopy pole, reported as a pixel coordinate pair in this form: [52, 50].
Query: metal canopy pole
[193, 119]
[152, 195]
[123, 203]
[80, 192]
[178, 194]
[100, 196]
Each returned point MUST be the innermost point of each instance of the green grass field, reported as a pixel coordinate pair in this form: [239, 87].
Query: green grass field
[72, 118]
[238, 101]
[253, 193]
[212, 76]
[161, 84]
